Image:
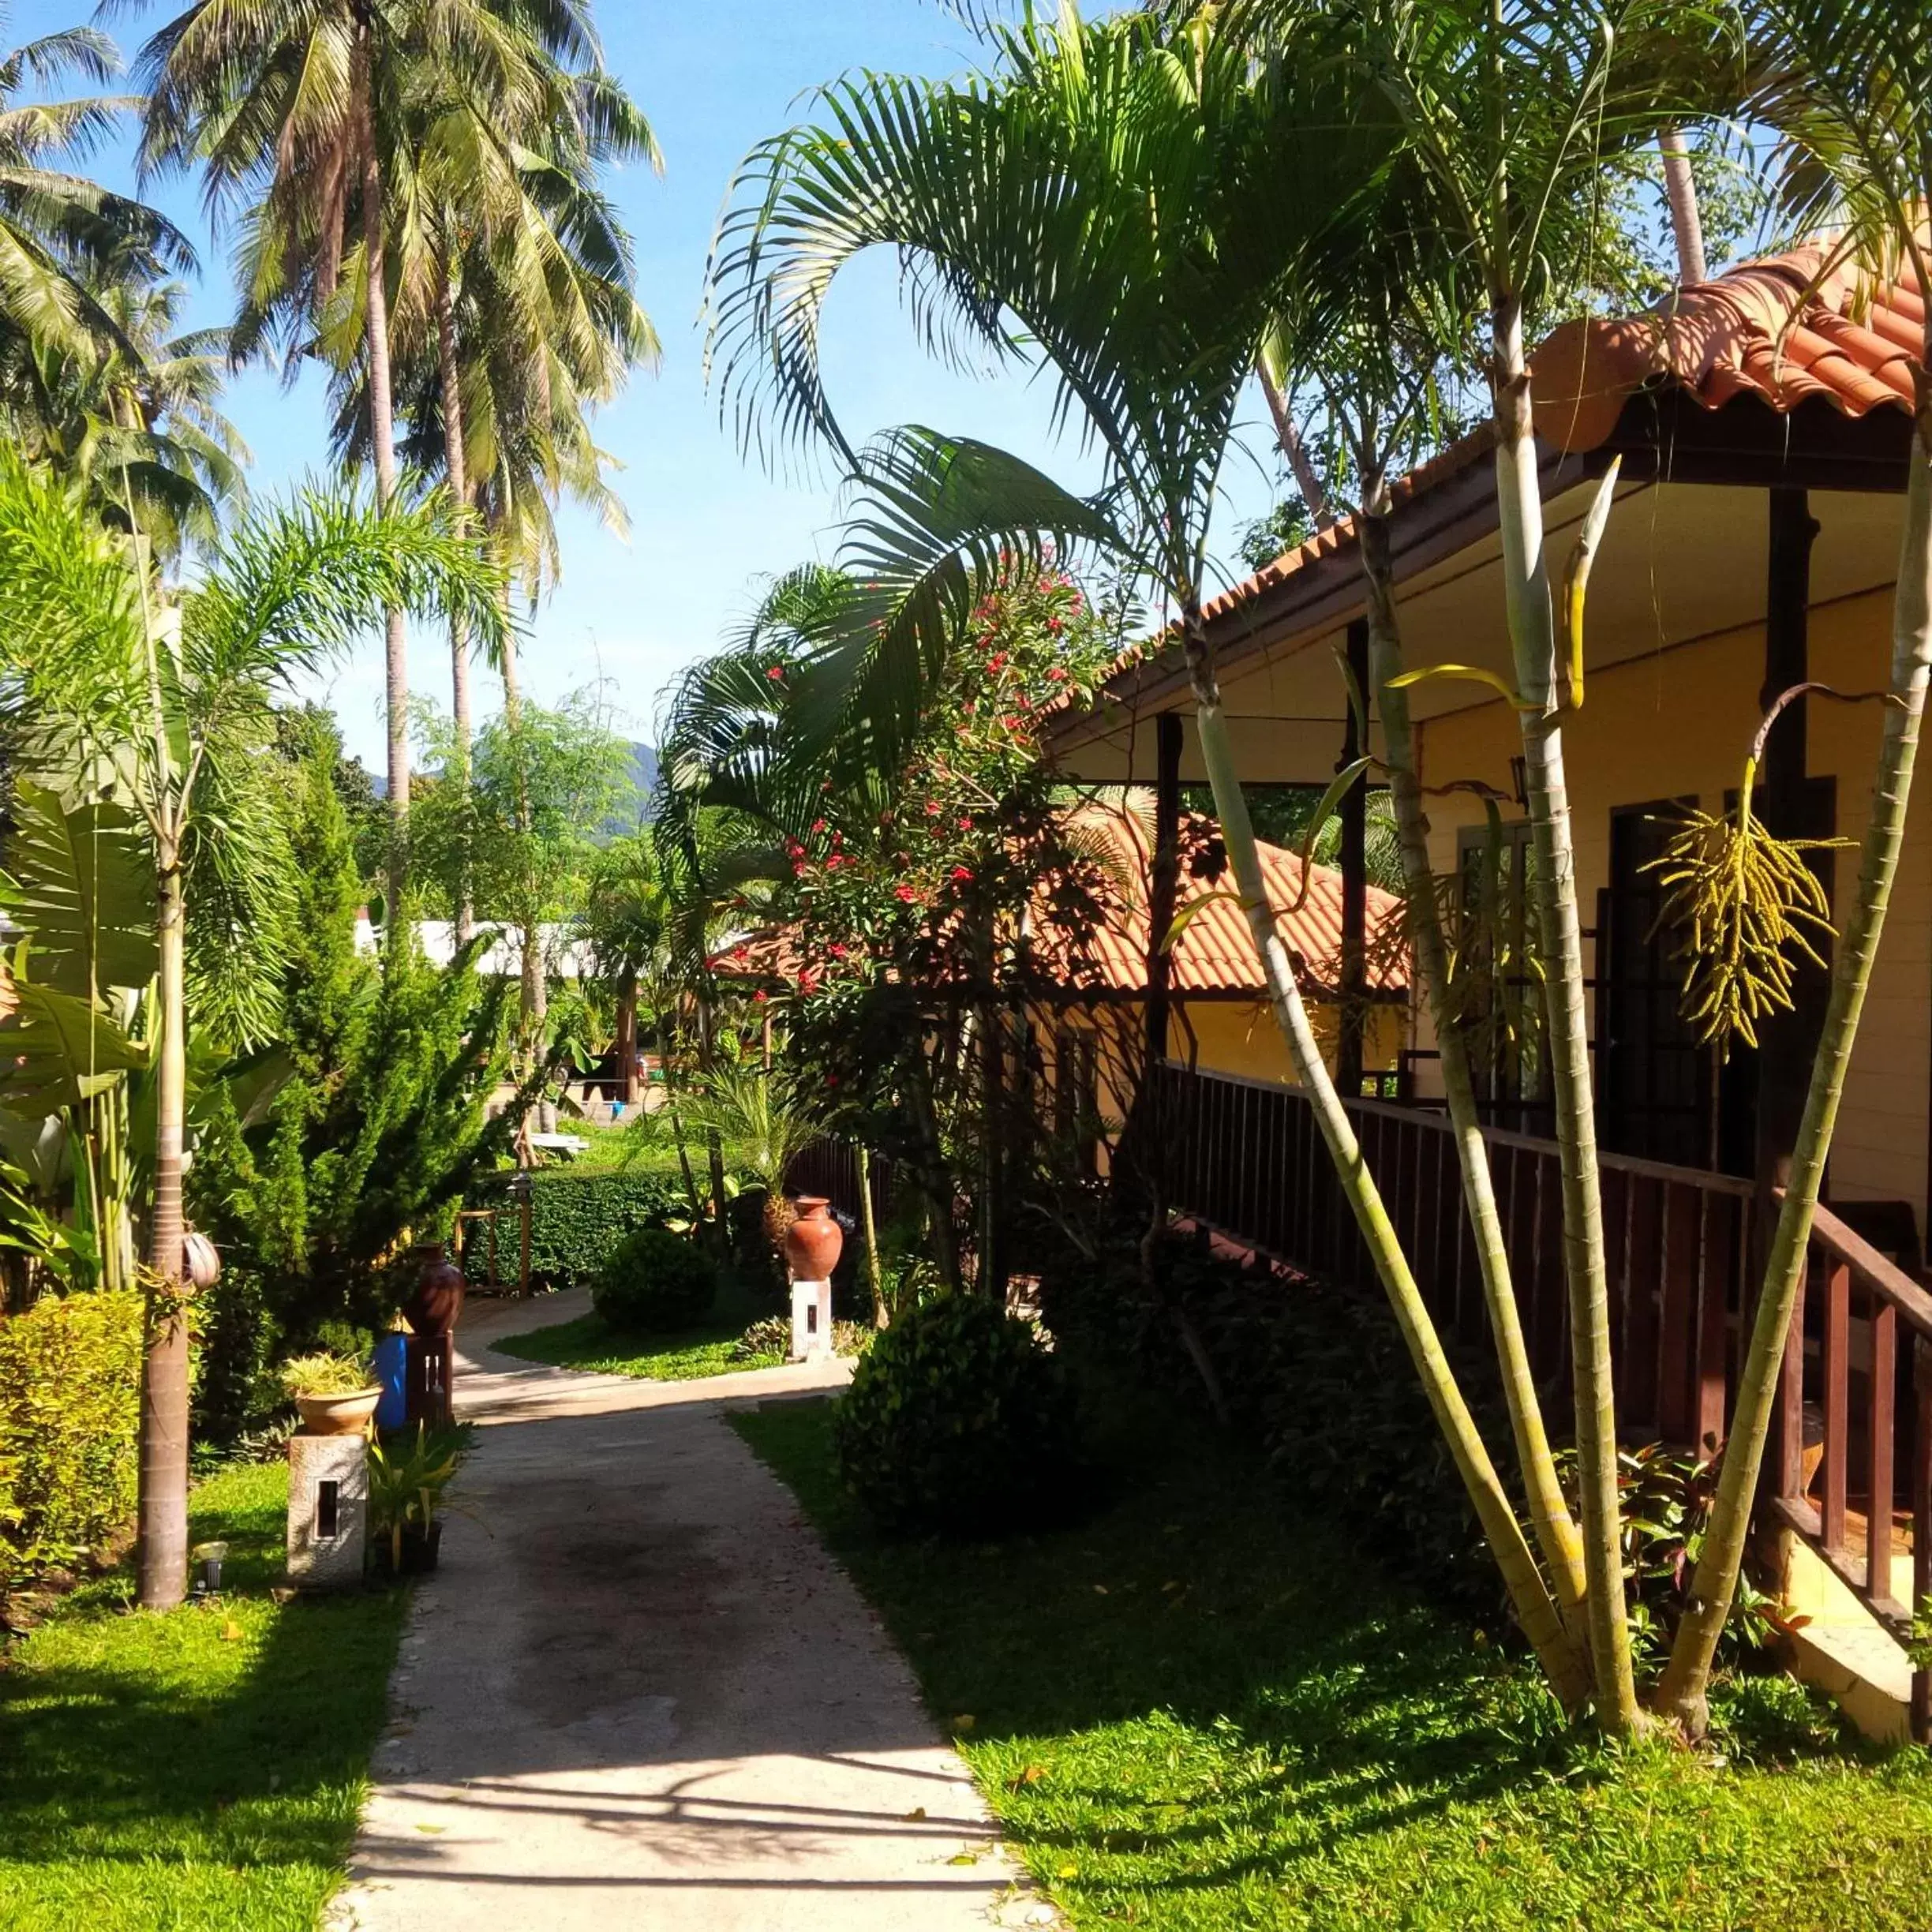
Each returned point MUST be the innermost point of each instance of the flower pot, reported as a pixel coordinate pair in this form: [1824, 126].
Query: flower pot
[339, 1415]
[814, 1242]
[421, 1548]
[436, 1302]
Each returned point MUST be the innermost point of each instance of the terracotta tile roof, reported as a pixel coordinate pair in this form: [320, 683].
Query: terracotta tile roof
[1853, 345]
[1215, 953]
[1779, 330]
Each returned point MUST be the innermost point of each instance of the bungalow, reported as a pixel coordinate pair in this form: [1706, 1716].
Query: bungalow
[1762, 423]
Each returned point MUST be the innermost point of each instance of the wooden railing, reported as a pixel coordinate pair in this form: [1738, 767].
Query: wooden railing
[831, 1168]
[1854, 1427]
[1246, 1156]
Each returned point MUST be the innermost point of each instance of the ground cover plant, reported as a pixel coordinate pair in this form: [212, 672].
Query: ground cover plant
[200, 1768]
[589, 1342]
[1204, 1709]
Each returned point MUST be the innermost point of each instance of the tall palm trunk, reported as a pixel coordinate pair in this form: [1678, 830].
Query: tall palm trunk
[382, 443]
[1529, 1597]
[1687, 220]
[628, 1035]
[715, 1146]
[455, 462]
[868, 1226]
[1686, 1679]
[1549, 1515]
[161, 1506]
[1532, 638]
[1313, 495]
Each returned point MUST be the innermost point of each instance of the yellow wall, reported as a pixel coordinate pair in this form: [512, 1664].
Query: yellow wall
[1678, 723]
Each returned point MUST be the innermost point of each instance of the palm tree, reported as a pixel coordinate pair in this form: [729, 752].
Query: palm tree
[136, 418]
[1849, 88]
[62, 238]
[627, 922]
[289, 109]
[175, 702]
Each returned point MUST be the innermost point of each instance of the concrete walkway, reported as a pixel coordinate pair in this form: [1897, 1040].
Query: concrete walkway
[639, 1693]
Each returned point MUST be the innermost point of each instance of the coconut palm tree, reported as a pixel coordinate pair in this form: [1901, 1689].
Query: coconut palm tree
[63, 239]
[173, 701]
[1113, 205]
[289, 108]
[135, 417]
[1848, 86]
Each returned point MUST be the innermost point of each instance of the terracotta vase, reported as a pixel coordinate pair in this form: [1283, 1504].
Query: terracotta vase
[814, 1242]
[432, 1309]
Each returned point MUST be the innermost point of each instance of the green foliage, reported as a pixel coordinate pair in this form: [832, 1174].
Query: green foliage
[69, 1399]
[325, 1373]
[407, 1480]
[958, 1420]
[577, 1221]
[655, 1280]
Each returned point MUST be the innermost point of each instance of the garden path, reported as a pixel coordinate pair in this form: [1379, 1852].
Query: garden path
[639, 1693]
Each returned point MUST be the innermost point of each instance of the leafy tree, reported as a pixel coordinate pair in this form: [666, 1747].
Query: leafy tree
[176, 705]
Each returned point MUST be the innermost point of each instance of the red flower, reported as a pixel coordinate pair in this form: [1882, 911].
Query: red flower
[1056, 674]
[965, 825]
[932, 808]
[761, 996]
[961, 876]
[808, 981]
[817, 825]
[831, 1079]
[777, 674]
[997, 662]
[904, 894]
[837, 950]
[799, 868]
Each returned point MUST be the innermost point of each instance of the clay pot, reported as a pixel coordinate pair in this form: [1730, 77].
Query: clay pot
[339, 1415]
[432, 1309]
[814, 1242]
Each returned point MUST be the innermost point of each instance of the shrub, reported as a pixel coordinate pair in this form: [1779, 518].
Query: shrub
[577, 1221]
[957, 1421]
[656, 1280]
[70, 1401]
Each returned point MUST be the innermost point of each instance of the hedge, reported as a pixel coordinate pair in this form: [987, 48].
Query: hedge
[576, 1220]
[69, 1407]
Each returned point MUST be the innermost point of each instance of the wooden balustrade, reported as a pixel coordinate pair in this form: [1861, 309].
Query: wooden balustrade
[1861, 1341]
[1247, 1157]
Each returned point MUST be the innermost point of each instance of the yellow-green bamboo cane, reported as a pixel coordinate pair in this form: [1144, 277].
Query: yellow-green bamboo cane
[1682, 1692]
[1555, 1530]
[1530, 1596]
[1533, 639]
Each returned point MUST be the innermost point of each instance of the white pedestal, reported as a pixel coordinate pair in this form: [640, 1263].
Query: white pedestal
[329, 1510]
[811, 1321]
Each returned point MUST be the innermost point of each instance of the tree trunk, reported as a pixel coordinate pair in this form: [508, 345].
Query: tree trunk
[1532, 638]
[1687, 1677]
[1313, 495]
[1555, 1532]
[382, 444]
[868, 1226]
[163, 1502]
[627, 1036]
[1535, 1609]
[714, 1147]
[1686, 223]
[937, 1178]
[455, 462]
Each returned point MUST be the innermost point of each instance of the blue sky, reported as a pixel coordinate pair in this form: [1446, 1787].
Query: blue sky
[705, 522]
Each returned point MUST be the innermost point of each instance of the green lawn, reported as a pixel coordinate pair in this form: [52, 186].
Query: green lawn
[1201, 1711]
[200, 1771]
[591, 1342]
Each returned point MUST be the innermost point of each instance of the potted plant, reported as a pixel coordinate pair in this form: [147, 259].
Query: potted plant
[407, 1480]
[336, 1394]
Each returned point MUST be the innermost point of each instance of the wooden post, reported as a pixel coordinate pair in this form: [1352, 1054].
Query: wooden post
[1355, 883]
[1164, 879]
[1784, 800]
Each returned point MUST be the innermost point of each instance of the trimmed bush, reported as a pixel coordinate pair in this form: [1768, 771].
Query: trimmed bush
[577, 1222]
[656, 1281]
[958, 1422]
[69, 1403]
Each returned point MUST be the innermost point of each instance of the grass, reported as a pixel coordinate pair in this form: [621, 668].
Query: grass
[1201, 1711]
[199, 1770]
[591, 1342]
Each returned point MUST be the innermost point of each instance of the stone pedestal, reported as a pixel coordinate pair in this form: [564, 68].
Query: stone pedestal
[431, 1369]
[329, 1510]
[811, 1321]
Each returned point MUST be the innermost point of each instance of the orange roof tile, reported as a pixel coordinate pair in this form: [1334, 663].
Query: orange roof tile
[1215, 954]
[1782, 330]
